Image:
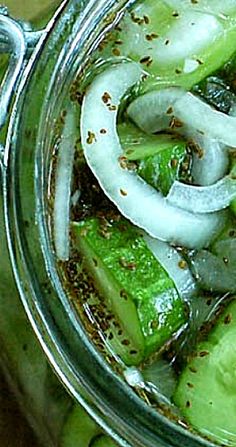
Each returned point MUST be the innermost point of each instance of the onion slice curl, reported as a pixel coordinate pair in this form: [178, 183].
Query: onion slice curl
[135, 199]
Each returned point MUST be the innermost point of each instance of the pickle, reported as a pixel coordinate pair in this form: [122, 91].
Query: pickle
[137, 290]
[206, 390]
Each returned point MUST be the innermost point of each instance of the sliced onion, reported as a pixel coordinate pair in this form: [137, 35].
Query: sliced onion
[207, 121]
[216, 7]
[187, 37]
[172, 261]
[136, 200]
[159, 109]
[153, 111]
[203, 199]
[64, 171]
[212, 164]
[212, 273]
[190, 110]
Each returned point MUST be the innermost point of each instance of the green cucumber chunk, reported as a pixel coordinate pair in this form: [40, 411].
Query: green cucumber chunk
[150, 31]
[79, 429]
[136, 288]
[103, 441]
[160, 159]
[206, 391]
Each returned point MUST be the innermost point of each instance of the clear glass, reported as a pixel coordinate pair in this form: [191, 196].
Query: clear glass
[81, 368]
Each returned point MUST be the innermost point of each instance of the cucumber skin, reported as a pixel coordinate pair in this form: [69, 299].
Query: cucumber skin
[159, 158]
[160, 171]
[206, 390]
[147, 285]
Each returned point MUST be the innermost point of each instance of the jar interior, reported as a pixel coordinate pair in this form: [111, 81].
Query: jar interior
[69, 194]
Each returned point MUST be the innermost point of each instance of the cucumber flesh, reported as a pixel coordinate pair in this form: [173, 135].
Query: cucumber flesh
[137, 290]
[206, 390]
[79, 429]
[160, 159]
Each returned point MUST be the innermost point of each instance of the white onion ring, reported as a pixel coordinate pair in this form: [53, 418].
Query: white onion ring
[215, 7]
[212, 273]
[191, 110]
[171, 260]
[159, 109]
[212, 165]
[186, 38]
[136, 200]
[203, 199]
[61, 213]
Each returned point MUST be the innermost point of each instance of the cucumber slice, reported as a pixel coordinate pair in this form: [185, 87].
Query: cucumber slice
[137, 290]
[207, 386]
[79, 429]
[161, 159]
[103, 441]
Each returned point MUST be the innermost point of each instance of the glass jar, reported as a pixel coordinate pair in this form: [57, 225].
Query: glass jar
[61, 51]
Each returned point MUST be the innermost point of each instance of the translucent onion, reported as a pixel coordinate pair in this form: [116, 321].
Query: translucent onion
[172, 261]
[215, 7]
[159, 106]
[213, 273]
[189, 109]
[136, 200]
[187, 37]
[203, 199]
[212, 164]
[207, 121]
[65, 160]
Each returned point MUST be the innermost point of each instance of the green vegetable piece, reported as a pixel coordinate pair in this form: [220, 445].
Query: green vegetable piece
[161, 170]
[103, 441]
[206, 390]
[136, 288]
[79, 429]
[161, 159]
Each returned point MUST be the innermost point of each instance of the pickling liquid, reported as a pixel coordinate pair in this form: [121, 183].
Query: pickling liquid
[187, 339]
